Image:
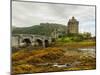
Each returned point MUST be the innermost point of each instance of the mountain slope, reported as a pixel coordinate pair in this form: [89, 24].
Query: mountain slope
[42, 29]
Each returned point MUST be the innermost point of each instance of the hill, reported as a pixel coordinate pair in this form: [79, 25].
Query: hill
[42, 29]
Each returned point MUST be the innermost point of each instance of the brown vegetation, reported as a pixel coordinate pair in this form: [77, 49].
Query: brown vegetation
[24, 61]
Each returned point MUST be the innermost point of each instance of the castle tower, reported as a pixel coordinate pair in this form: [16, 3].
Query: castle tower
[73, 26]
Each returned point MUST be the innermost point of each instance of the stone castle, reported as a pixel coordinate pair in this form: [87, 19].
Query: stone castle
[73, 26]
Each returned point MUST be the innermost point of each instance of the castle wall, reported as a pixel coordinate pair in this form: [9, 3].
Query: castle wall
[73, 26]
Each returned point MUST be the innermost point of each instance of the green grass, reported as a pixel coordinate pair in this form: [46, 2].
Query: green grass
[76, 44]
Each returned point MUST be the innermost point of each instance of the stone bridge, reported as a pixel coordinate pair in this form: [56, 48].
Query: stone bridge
[30, 39]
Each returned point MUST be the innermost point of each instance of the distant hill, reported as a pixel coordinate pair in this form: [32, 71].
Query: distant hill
[42, 29]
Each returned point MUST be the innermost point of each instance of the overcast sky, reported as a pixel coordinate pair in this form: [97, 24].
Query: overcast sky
[25, 14]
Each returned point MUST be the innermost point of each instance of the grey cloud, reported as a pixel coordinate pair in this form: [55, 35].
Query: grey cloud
[30, 13]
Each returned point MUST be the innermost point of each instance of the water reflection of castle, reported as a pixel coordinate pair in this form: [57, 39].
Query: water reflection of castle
[73, 26]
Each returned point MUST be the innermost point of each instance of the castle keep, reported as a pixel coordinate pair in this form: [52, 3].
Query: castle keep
[73, 26]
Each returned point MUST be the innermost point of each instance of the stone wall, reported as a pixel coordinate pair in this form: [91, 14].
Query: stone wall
[73, 26]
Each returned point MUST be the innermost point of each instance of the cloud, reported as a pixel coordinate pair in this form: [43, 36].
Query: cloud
[26, 14]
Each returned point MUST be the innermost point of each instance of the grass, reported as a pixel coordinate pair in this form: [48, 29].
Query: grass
[81, 44]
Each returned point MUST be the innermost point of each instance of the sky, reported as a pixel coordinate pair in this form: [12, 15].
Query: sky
[25, 14]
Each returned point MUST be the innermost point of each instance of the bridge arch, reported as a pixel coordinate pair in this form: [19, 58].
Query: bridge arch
[26, 41]
[42, 42]
[39, 42]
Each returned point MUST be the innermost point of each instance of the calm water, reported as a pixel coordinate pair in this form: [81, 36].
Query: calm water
[90, 51]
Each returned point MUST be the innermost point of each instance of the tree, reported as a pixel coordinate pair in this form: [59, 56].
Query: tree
[87, 35]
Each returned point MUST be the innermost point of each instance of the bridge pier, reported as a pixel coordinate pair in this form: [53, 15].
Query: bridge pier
[43, 43]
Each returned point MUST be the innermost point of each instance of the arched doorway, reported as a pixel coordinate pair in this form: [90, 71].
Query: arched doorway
[27, 41]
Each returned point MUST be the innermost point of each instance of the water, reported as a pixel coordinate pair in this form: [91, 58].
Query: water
[85, 51]
[88, 51]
